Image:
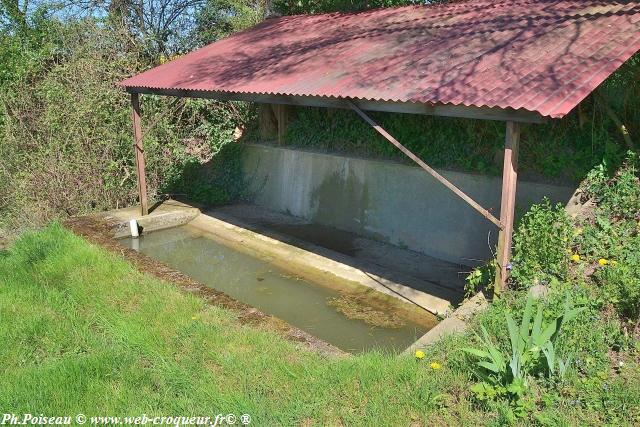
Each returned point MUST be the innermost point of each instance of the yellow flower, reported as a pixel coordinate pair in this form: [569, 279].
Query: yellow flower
[435, 365]
[193, 317]
[603, 261]
[419, 354]
[575, 258]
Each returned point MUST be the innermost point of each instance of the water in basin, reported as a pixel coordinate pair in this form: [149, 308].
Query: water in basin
[260, 284]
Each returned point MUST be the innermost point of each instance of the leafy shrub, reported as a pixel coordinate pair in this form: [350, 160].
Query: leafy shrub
[620, 286]
[541, 245]
[610, 237]
[533, 351]
[213, 183]
[66, 138]
[617, 194]
[480, 277]
[470, 145]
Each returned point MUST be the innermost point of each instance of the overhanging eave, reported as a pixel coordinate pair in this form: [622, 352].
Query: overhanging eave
[443, 110]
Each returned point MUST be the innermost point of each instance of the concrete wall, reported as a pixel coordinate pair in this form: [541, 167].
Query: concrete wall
[386, 200]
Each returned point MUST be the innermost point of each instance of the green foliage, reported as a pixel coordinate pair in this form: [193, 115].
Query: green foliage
[616, 193]
[610, 234]
[465, 144]
[480, 277]
[212, 184]
[621, 287]
[541, 245]
[533, 352]
[219, 18]
[603, 279]
[65, 129]
[603, 239]
[295, 7]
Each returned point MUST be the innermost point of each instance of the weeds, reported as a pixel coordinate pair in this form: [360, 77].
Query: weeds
[533, 352]
[541, 246]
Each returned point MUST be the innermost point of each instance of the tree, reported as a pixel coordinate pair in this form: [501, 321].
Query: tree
[13, 15]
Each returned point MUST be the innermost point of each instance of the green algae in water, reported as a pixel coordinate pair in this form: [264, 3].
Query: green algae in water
[301, 303]
[355, 308]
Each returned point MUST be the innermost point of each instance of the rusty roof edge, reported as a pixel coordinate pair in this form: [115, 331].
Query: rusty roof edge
[482, 112]
[601, 75]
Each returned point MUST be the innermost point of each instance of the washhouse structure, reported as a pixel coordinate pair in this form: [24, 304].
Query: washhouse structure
[519, 61]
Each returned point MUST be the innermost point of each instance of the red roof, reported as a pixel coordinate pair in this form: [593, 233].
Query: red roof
[543, 56]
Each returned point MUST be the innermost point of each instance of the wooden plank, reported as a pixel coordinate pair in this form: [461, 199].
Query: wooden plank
[442, 110]
[426, 167]
[507, 204]
[282, 113]
[268, 125]
[139, 153]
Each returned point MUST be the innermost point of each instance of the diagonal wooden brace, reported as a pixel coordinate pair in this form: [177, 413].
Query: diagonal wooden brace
[484, 212]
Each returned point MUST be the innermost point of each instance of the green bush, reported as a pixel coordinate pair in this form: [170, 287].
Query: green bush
[617, 192]
[66, 138]
[465, 144]
[542, 245]
[621, 287]
[609, 241]
[533, 352]
[479, 278]
[217, 182]
[603, 239]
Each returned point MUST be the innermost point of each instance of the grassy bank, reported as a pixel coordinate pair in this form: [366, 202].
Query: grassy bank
[83, 331]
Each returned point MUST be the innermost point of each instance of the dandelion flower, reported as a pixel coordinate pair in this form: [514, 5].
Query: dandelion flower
[435, 365]
[603, 261]
[419, 354]
[575, 258]
[193, 317]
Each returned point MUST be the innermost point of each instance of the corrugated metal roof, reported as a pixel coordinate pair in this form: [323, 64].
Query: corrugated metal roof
[543, 56]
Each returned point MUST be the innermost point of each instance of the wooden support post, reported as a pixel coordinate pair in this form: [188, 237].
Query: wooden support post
[282, 113]
[139, 152]
[507, 205]
[268, 124]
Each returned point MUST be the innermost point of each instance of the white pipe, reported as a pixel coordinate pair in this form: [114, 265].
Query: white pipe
[133, 226]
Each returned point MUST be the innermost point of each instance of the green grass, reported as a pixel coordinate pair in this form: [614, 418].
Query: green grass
[83, 332]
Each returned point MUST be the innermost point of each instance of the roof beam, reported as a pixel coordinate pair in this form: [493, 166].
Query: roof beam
[481, 113]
